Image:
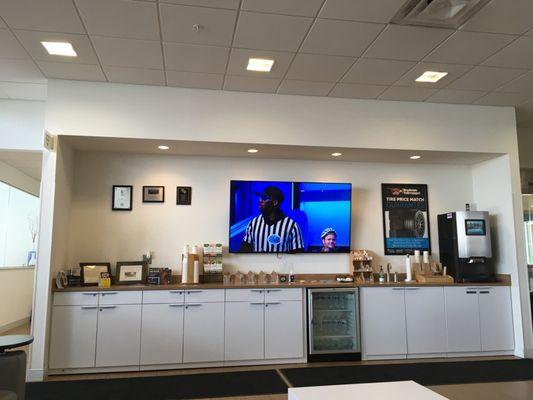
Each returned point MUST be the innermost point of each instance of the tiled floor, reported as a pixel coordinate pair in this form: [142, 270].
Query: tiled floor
[482, 391]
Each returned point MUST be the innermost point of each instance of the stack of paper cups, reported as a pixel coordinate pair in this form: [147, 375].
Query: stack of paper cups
[185, 264]
[417, 257]
[408, 269]
[425, 257]
[196, 271]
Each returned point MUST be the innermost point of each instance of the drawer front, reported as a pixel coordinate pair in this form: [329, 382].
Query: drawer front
[76, 299]
[163, 296]
[204, 296]
[283, 295]
[134, 297]
[252, 295]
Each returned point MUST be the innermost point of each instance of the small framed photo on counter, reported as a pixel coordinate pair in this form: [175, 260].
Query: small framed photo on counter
[122, 197]
[130, 272]
[153, 194]
[90, 272]
[183, 195]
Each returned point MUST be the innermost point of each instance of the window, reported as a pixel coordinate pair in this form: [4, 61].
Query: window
[19, 220]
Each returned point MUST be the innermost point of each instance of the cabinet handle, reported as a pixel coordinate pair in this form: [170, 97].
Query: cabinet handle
[89, 294]
[257, 290]
[470, 292]
[89, 307]
[192, 305]
[176, 305]
[194, 291]
[412, 288]
[106, 293]
[484, 292]
[398, 288]
[273, 302]
[273, 290]
[105, 307]
[257, 304]
[176, 291]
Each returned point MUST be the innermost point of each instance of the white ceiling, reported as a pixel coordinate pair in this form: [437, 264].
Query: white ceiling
[337, 48]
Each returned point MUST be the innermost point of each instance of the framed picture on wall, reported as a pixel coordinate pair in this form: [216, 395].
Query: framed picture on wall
[153, 194]
[90, 272]
[122, 197]
[130, 272]
[405, 218]
[183, 195]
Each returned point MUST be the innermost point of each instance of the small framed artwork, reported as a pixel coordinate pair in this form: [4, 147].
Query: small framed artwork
[130, 272]
[183, 195]
[153, 194]
[122, 197]
[90, 272]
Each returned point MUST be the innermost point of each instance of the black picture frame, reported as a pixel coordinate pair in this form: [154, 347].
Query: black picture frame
[140, 272]
[183, 195]
[149, 197]
[411, 214]
[117, 203]
[93, 280]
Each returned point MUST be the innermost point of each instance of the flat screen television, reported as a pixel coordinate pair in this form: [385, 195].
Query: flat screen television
[289, 217]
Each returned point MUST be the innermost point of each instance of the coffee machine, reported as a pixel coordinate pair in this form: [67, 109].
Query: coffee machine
[465, 245]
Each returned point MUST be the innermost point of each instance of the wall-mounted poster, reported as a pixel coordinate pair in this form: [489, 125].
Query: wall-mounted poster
[405, 218]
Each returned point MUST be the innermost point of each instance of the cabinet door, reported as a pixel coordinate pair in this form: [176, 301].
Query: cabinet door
[462, 319]
[162, 334]
[244, 331]
[119, 335]
[426, 321]
[203, 332]
[73, 336]
[496, 318]
[284, 330]
[383, 322]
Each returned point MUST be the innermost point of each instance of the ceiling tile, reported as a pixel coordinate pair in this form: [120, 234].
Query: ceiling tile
[455, 96]
[518, 54]
[306, 8]
[469, 47]
[215, 26]
[239, 60]
[503, 99]
[502, 16]
[355, 91]
[485, 78]
[522, 84]
[406, 42]
[10, 46]
[524, 114]
[135, 76]
[80, 72]
[195, 58]
[249, 84]
[230, 4]
[378, 72]
[407, 93]
[305, 88]
[530, 32]
[119, 18]
[361, 10]
[454, 71]
[2, 24]
[128, 52]
[39, 15]
[20, 71]
[312, 67]
[31, 40]
[3, 95]
[340, 38]
[194, 80]
[270, 31]
[24, 91]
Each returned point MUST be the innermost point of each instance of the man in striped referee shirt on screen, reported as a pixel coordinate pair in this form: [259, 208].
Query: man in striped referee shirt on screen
[272, 231]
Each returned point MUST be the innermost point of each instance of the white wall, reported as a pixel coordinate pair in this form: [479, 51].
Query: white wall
[16, 291]
[525, 147]
[21, 124]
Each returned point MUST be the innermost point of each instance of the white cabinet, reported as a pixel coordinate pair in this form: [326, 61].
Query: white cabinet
[162, 333]
[118, 335]
[462, 320]
[383, 327]
[496, 319]
[283, 329]
[73, 336]
[244, 330]
[203, 337]
[425, 320]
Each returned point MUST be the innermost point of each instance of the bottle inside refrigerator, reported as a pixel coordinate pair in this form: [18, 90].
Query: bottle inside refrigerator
[333, 324]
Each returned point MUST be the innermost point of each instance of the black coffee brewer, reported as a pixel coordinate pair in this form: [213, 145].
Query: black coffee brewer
[465, 246]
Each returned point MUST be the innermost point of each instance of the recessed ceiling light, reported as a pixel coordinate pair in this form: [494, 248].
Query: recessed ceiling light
[415, 157]
[431, 76]
[260, 64]
[59, 49]
[252, 150]
[163, 147]
[336, 154]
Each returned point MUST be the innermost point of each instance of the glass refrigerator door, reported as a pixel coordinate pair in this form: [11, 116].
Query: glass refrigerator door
[334, 322]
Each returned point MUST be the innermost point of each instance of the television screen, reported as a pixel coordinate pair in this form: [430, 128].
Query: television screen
[289, 217]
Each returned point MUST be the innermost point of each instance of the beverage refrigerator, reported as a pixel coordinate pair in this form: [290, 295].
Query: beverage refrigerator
[333, 324]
